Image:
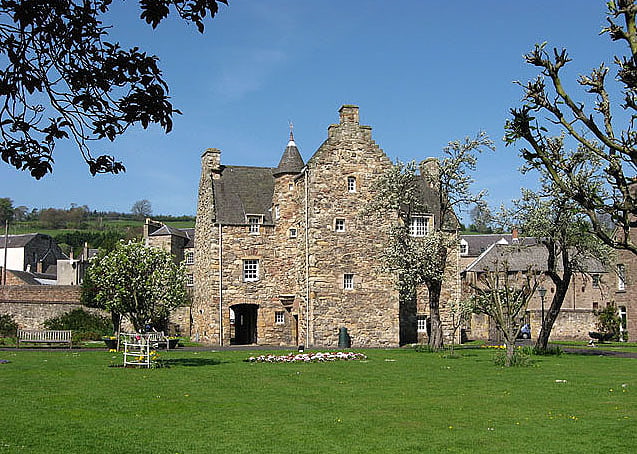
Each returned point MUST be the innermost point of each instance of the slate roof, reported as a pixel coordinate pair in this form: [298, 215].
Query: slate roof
[242, 191]
[291, 161]
[25, 276]
[520, 257]
[190, 234]
[17, 241]
[168, 230]
[477, 244]
[429, 198]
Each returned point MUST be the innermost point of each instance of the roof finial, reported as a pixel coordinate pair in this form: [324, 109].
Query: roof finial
[291, 130]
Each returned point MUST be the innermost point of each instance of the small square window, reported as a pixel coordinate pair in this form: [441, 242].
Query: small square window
[253, 224]
[351, 184]
[292, 233]
[595, 306]
[279, 318]
[348, 281]
[339, 225]
[190, 280]
[190, 257]
[250, 270]
[290, 186]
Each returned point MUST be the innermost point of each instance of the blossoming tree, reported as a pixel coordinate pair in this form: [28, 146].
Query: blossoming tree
[141, 283]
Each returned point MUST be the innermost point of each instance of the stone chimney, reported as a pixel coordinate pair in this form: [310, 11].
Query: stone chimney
[211, 161]
[349, 114]
[430, 170]
[514, 235]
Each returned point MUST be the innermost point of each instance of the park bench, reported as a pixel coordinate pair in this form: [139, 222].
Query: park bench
[45, 336]
[158, 339]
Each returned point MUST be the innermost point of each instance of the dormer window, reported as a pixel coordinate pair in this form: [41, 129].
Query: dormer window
[351, 184]
[420, 225]
[253, 224]
[464, 247]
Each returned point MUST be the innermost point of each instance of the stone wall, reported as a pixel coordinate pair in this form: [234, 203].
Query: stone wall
[626, 298]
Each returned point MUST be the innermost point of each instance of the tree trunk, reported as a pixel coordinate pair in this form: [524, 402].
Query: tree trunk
[510, 352]
[436, 340]
[552, 313]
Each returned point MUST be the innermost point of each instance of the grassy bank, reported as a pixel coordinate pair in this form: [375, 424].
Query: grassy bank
[396, 401]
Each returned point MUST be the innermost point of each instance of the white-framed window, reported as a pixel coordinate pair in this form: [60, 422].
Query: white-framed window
[464, 247]
[250, 270]
[277, 212]
[621, 277]
[348, 281]
[339, 225]
[419, 225]
[596, 279]
[190, 280]
[190, 257]
[421, 323]
[290, 186]
[279, 318]
[293, 233]
[253, 224]
[351, 184]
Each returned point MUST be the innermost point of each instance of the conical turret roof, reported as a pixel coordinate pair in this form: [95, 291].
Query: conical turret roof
[291, 161]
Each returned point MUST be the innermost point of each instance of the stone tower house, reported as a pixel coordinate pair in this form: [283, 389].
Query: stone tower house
[283, 256]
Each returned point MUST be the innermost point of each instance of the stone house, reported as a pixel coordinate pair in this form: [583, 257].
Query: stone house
[284, 257]
[33, 252]
[623, 284]
[587, 292]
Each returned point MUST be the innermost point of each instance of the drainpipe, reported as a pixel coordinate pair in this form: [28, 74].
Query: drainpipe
[307, 262]
[220, 287]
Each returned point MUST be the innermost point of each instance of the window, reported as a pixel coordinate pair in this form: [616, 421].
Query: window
[250, 270]
[277, 212]
[596, 279]
[348, 281]
[190, 257]
[253, 224]
[290, 186]
[623, 318]
[279, 318]
[351, 184]
[421, 323]
[595, 306]
[419, 225]
[292, 233]
[464, 247]
[621, 277]
[190, 280]
[339, 225]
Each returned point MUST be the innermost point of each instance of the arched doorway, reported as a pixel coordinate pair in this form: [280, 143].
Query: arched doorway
[245, 323]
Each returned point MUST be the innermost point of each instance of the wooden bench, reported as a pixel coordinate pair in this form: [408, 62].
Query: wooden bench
[45, 336]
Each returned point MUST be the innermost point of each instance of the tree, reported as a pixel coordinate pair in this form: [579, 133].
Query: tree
[6, 209]
[598, 174]
[141, 209]
[481, 218]
[423, 260]
[141, 283]
[504, 296]
[60, 78]
[557, 223]
[608, 323]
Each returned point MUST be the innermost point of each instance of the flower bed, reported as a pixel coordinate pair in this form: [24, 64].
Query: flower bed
[312, 357]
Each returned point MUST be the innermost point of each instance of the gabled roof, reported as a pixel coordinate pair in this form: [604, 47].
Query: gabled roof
[519, 257]
[25, 276]
[190, 234]
[168, 230]
[241, 191]
[17, 241]
[477, 244]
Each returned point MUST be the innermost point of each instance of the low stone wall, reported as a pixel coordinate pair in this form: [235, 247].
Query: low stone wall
[31, 305]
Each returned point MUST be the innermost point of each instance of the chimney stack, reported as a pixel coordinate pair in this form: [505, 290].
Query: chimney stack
[349, 114]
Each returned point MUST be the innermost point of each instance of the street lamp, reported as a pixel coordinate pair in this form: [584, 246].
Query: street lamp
[542, 291]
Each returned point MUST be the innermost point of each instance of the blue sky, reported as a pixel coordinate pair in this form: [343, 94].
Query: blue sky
[422, 72]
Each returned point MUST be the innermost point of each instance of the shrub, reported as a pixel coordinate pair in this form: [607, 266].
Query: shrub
[519, 359]
[554, 350]
[85, 326]
[608, 322]
[8, 327]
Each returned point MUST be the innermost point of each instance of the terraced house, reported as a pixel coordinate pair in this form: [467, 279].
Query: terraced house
[284, 257]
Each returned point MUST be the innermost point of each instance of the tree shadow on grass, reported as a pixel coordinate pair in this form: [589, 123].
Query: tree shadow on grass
[190, 362]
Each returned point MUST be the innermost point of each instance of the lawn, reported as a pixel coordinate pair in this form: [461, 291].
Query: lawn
[396, 401]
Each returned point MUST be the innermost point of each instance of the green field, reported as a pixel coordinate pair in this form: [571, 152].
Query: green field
[396, 401]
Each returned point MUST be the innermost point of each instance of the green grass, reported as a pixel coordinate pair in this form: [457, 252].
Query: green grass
[398, 401]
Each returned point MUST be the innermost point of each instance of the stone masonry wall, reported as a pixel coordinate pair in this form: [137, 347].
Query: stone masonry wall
[370, 310]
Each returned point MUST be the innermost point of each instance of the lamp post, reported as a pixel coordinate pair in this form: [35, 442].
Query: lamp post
[542, 291]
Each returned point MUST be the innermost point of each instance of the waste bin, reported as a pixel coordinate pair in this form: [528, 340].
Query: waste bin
[344, 341]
